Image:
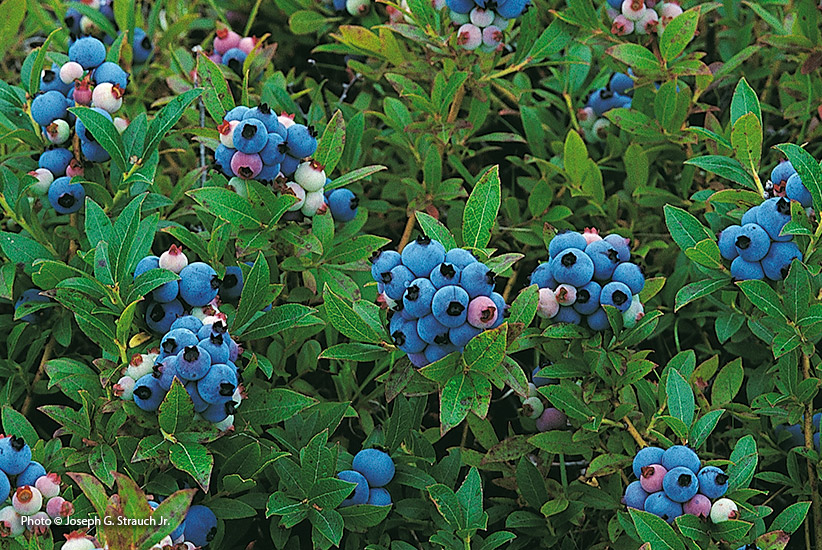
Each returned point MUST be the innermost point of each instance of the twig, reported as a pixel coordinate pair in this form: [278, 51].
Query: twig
[49, 349]
[455, 106]
[634, 433]
[812, 473]
[406, 234]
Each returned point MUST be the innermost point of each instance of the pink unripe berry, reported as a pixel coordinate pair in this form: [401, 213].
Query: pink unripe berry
[586, 117]
[648, 23]
[173, 259]
[82, 92]
[48, 485]
[622, 26]
[216, 58]
[246, 166]
[723, 510]
[27, 500]
[699, 506]
[600, 128]
[75, 168]
[313, 203]
[633, 9]
[108, 96]
[87, 26]
[139, 366]
[551, 419]
[58, 131]
[226, 424]
[469, 36]
[482, 312]
[121, 123]
[226, 130]
[566, 295]
[39, 523]
[668, 11]
[296, 190]
[286, 120]
[548, 306]
[70, 72]
[124, 388]
[225, 40]
[44, 179]
[11, 523]
[651, 477]
[492, 36]
[310, 175]
[247, 44]
[591, 235]
[59, 507]
[78, 541]
[481, 17]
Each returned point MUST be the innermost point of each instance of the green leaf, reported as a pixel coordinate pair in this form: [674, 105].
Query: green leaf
[173, 511]
[456, 399]
[17, 425]
[353, 351]
[23, 250]
[103, 462]
[332, 143]
[725, 167]
[699, 289]
[264, 407]
[685, 228]
[678, 34]
[681, 402]
[764, 297]
[329, 522]
[808, 169]
[746, 139]
[354, 175]
[104, 133]
[436, 230]
[193, 459]
[256, 292]
[97, 224]
[727, 384]
[346, 320]
[360, 517]
[655, 530]
[703, 428]
[39, 61]
[575, 156]
[744, 101]
[706, 252]
[306, 22]
[93, 490]
[567, 401]
[278, 319]
[226, 205]
[217, 97]
[797, 295]
[790, 519]
[166, 119]
[469, 496]
[176, 410]
[743, 459]
[639, 58]
[481, 209]
[447, 505]
[486, 351]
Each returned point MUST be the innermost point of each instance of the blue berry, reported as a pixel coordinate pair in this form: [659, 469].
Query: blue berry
[48, 107]
[460, 6]
[343, 204]
[680, 484]
[146, 264]
[264, 114]
[93, 151]
[33, 295]
[459, 257]
[646, 457]
[680, 455]
[630, 274]
[752, 242]
[605, 258]
[772, 215]
[66, 197]
[289, 165]
[616, 294]
[88, 52]
[55, 160]
[201, 525]
[407, 338]
[598, 320]
[160, 316]
[662, 506]
[382, 262]
[477, 280]
[621, 83]
[432, 331]
[796, 191]
[232, 284]
[5, 486]
[15, 455]
[273, 152]
[250, 136]
[376, 466]
[422, 255]
[216, 345]
[572, 266]
[398, 278]
[218, 385]
[542, 276]
[167, 292]
[435, 352]
[713, 482]
[588, 298]
[222, 156]
[750, 215]
[188, 322]
[445, 274]
[782, 172]
[461, 335]
[635, 496]
[218, 411]
[742, 270]
[193, 363]
[567, 314]
[378, 496]
[540, 381]
[502, 309]
[777, 263]
[621, 244]
[200, 405]
[111, 72]
[141, 46]
[301, 141]
[237, 113]
[603, 100]
[511, 9]
[234, 60]
[198, 284]
[80, 128]
[565, 240]
[450, 305]
[360, 494]
[147, 393]
[727, 242]
[50, 80]
[176, 339]
[165, 371]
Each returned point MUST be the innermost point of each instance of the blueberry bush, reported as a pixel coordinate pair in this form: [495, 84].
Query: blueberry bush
[460, 274]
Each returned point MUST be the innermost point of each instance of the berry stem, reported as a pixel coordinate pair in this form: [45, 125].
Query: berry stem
[47, 351]
[813, 475]
[634, 433]
[406, 234]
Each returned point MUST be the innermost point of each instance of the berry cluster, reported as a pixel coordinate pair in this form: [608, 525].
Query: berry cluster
[372, 470]
[34, 494]
[202, 357]
[86, 79]
[257, 144]
[672, 482]
[79, 25]
[616, 95]
[641, 16]
[439, 300]
[546, 418]
[231, 49]
[196, 531]
[33, 295]
[481, 23]
[756, 247]
[586, 272]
